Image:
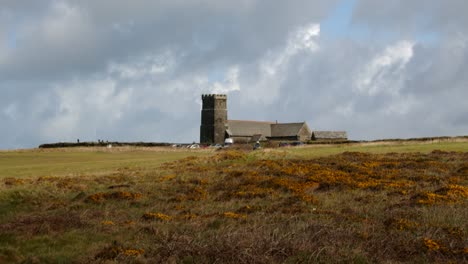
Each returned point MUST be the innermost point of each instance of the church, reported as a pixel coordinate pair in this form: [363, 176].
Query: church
[215, 127]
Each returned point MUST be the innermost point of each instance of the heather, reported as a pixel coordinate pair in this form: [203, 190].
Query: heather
[239, 206]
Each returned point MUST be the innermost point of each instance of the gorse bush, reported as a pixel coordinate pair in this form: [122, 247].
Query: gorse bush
[240, 207]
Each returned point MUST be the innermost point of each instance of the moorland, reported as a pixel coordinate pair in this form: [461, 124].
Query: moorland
[352, 203]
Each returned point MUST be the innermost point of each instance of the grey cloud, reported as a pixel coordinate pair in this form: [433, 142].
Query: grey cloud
[415, 16]
[90, 33]
[429, 102]
[136, 71]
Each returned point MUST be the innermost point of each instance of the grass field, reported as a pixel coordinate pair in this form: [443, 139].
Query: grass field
[377, 148]
[75, 162]
[79, 161]
[326, 204]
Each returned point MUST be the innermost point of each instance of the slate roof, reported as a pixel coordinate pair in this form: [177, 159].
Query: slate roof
[330, 134]
[243, 128]
[286, 129]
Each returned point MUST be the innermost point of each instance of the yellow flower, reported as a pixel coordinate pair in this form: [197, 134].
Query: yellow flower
[432, 245]
[156, 216]
[234, 215]
[133, 252]
[168, 177]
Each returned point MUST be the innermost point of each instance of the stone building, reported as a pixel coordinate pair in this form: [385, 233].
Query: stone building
[248, 131]
[329, 135]
[213, 118]
[215, 126]
[290, 132]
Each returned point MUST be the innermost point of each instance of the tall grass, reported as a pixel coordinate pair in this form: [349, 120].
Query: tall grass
[240, 207]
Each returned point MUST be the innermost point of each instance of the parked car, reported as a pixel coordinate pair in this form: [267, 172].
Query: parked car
[228, 142]
[297, 143]
[257, 145]
[284, 144]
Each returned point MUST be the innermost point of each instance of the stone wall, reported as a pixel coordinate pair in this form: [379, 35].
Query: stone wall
[213, 118]
[304, 134]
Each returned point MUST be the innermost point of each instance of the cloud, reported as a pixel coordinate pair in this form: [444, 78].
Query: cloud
[271, 69]
[149, 65]
[412, 17]
[385, 72]
[99, 104]
[11, 111]
[229, 84]
[135, 71]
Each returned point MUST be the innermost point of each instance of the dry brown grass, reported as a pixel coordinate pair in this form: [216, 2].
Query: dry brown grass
[235, 207]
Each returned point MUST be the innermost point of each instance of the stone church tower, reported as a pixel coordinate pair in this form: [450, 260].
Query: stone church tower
[213, 119]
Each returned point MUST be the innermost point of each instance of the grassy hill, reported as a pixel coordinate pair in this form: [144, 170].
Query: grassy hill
[399, 202]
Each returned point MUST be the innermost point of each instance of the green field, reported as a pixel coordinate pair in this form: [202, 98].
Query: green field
[358, 203]
[377, 148]
[73, 162]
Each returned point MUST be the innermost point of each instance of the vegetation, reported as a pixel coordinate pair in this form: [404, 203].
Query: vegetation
[294, 205]
[86, 161]
[104, 144]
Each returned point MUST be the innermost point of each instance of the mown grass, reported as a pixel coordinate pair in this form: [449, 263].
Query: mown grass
[72, 162]
[272, 206]
[314, 151]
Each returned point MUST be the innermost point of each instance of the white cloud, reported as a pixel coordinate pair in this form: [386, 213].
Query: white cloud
[304, 39]
[273, 67]
[146, 66]
[386, 72]
[95, 103]
[230, 82]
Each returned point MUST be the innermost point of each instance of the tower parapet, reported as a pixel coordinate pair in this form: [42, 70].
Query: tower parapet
[220, 96]
[213, 118]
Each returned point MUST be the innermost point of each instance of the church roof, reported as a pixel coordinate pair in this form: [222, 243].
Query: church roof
[286, 129]
[330, 134]
[249, 128]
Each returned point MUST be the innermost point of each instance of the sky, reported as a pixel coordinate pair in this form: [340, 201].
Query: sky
[123, 70]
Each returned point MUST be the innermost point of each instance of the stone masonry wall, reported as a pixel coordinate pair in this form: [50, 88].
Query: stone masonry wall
[213, 118]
